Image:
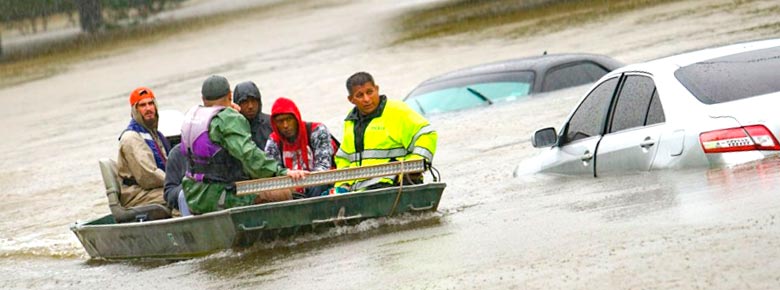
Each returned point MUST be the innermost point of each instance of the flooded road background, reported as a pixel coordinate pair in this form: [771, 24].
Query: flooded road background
[685, 229]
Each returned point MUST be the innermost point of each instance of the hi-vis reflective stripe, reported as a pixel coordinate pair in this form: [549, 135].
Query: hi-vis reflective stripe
[146, 136]
[424, 130]
[424, 152]
[373, 154]
[387, 153]
[342, 154]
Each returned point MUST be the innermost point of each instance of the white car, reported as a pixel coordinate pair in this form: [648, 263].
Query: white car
[707, 108]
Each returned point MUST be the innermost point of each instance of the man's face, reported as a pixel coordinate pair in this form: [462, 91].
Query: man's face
[249, 108]
[147, 110]
[365, 97]
[287, 125]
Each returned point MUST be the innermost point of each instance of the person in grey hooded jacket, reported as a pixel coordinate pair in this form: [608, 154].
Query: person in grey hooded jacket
[247, 96]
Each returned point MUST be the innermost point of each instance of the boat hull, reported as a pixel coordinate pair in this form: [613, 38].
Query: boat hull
[193, 236]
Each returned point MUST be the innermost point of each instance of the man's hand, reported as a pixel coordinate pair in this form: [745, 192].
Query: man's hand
[297, 174]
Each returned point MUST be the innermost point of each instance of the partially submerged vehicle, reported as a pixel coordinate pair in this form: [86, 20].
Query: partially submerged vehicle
[706, 108]
[507, 80]
[149, 231]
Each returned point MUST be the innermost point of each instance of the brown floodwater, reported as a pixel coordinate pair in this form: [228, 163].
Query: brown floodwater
[691, 229]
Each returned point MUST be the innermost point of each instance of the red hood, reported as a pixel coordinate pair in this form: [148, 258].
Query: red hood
[287, 106]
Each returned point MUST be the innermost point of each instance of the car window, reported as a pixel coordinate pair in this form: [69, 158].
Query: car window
[572, 75]
[470, 91]
[415, 105]
[632, 103]
[469, 96]
[655, 114]
[732, 77]
[445, 100]
[589, 118]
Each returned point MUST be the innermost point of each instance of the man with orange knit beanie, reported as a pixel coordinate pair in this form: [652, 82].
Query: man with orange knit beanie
[143, 152]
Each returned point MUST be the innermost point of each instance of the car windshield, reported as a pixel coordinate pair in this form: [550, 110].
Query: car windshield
[733, 77]
[470, 91]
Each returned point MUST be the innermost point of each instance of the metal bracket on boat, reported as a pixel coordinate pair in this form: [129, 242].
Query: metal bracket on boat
[329, 177]
[338, 218]
[243, 228]
[424, 208]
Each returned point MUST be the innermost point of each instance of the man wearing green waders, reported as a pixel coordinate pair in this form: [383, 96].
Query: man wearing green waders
[219, 147]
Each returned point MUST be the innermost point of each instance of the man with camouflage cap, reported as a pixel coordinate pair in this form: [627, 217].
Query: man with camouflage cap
[219, 147]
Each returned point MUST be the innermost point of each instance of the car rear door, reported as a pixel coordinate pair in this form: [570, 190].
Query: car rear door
[579, 138]
[633, 129]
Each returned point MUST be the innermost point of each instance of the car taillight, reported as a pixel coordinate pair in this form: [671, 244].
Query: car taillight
[754, 137]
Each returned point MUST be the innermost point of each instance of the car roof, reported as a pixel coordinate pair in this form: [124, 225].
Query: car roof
[536, 63]
[691, 57]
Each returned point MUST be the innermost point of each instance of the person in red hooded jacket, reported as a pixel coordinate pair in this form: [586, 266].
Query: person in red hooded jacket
[299, 145]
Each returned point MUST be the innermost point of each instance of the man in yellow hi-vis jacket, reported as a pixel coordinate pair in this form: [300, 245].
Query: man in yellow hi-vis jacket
[378, 130]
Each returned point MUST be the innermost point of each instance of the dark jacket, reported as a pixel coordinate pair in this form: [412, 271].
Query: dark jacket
[260, 125]
[174, 172]
[261, 128]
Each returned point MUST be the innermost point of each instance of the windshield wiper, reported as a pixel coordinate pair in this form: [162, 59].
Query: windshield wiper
[480, 95]
[422, 111]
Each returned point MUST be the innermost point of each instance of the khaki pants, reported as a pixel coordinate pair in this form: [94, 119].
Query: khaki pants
[273, 196]
[135, 195]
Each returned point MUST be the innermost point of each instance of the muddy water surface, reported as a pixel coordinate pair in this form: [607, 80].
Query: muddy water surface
[685, 229]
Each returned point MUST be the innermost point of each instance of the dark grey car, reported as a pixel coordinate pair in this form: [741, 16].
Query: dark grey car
[507, 80]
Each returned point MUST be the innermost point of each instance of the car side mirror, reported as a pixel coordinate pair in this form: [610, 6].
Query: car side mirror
[546, 137]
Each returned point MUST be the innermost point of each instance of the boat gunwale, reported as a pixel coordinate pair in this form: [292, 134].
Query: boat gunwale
[316, 199]
[87, 225]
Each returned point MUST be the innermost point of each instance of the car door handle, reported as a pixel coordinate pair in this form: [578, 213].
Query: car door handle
[647, 143]
[587, 156]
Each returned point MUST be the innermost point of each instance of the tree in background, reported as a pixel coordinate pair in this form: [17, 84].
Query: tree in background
[90, 15]
[28, 16]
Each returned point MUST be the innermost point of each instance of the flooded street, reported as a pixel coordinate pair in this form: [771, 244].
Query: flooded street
[692, 229]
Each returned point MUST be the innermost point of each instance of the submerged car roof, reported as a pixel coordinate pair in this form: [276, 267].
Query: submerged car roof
[535, 63]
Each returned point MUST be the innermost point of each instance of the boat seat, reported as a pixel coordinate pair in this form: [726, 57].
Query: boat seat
[123, 214]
